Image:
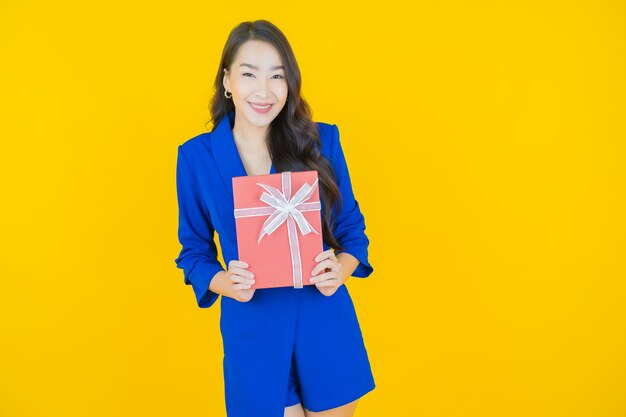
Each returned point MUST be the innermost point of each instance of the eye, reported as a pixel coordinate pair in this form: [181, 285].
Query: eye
[277, 75]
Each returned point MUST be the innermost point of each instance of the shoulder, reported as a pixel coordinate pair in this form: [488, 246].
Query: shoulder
[196, 149]
[195, 143]
[329, 134]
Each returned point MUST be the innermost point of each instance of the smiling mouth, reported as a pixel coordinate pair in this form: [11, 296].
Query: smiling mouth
[261, 109]
[261, 106]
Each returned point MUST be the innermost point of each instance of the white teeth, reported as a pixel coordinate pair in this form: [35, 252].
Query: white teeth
[261, 107]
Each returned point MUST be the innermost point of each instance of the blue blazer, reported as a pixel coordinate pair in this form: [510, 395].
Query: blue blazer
[205, 167]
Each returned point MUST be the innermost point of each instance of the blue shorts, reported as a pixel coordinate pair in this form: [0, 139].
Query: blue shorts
[293, 389]
[292, 345]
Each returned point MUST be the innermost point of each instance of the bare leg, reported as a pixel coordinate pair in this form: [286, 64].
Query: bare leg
[346, 410]
[294, 411]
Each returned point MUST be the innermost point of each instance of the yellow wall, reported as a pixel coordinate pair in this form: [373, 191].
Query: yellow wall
[486, 146]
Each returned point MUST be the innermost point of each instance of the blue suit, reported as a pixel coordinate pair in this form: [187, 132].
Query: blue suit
[285, 345]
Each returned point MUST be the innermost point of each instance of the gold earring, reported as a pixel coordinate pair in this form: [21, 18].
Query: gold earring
[227, 96]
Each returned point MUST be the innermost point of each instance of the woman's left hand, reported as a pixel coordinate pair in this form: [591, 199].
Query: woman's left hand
[327, 273]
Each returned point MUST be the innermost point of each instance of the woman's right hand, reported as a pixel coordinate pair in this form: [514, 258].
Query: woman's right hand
[241, 280]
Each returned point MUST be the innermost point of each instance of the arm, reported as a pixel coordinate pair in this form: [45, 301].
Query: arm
[349, 227]
[198, 257]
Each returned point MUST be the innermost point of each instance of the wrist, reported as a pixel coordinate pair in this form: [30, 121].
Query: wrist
[220, 284]
[347, 265]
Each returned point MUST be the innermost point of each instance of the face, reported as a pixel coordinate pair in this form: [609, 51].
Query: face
[255, 77]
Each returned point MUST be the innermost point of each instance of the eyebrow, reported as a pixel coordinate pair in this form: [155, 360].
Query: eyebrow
[256, 68]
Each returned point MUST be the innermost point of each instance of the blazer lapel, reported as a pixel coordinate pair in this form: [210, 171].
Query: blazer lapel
[225, 152]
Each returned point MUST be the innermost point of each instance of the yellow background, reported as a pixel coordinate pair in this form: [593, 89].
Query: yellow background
[485, 142]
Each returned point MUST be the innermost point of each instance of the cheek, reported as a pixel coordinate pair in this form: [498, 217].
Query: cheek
[282, 92]
[241, 87]
[238, 88]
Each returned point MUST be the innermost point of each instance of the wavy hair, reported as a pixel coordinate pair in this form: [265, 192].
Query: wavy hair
[293, 138]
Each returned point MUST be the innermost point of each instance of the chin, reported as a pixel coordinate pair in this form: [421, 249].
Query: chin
[261, 120]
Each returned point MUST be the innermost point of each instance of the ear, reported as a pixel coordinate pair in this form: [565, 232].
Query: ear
[226, 81]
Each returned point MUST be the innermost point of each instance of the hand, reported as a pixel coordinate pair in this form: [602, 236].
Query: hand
[241, 280]
[328, 268]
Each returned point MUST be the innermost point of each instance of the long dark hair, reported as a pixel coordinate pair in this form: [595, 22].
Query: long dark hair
[293, 138]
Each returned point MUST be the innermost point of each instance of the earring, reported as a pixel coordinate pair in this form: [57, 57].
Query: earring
[226, 94]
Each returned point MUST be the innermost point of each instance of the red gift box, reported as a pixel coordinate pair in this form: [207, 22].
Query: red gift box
[279, 226]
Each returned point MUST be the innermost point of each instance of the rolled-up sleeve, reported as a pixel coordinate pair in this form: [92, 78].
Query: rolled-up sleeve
[198, 257]
[349, 227]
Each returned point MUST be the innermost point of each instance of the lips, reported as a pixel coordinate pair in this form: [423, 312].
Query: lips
[256, 108]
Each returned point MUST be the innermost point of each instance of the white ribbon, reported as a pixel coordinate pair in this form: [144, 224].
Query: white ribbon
[282, 207]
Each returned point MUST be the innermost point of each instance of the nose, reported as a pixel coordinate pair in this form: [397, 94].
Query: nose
[263, 88]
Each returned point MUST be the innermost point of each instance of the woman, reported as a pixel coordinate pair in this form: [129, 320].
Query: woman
[287, 351]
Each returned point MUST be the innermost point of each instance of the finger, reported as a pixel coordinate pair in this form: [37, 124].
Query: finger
[324, 255]
[242, 286]
[325, 276]
[320, 267]
[332, 282]
[236, 279]
[243, 279]
[238, 263]
[327, 263]
[242, 272]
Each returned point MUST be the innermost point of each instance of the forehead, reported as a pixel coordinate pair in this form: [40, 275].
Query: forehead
[258, 53]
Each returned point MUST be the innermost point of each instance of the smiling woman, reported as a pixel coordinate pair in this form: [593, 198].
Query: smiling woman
[287, 351]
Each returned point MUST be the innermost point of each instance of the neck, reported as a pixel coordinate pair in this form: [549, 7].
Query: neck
[249, 134]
